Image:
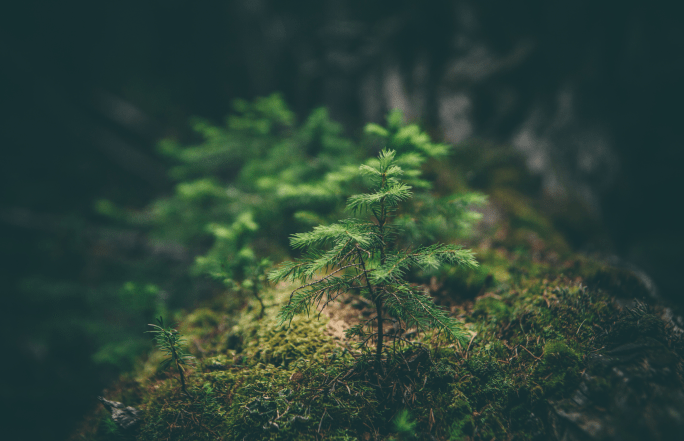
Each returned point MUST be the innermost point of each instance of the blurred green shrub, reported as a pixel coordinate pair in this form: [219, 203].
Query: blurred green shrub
[262, 177]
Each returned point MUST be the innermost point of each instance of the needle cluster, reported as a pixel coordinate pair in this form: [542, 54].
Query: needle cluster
[171, 343]
[361, 257]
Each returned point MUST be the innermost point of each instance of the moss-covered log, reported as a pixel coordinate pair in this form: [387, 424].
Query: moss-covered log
[556, 353]
[561, 346]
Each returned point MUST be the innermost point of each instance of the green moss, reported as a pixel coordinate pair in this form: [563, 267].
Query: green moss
[202, 323]
[281, 345]
[202, 318]
[559, 370]
[263, 390]
[492, 309]
[531, 335]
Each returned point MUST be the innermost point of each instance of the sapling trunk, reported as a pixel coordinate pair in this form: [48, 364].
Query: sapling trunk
[378, 300]
[181, 373]
[378, 313]
[378, 349]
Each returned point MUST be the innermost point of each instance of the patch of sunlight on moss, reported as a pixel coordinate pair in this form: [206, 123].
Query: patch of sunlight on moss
[271, 343]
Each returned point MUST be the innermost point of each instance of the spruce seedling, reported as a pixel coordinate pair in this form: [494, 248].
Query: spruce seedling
[171, 343]
[361, 257]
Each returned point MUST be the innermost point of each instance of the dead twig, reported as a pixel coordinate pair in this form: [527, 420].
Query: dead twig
[321, 422]
[528, 351]
[471, 342]
[580, 326]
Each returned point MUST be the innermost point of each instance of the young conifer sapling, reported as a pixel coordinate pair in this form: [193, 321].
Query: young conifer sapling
[171, 343]
[361, 257]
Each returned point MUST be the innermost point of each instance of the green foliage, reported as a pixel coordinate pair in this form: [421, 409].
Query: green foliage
[254, 279]
[362, 257]
[404, 424]
[560, 366]
[263, 177]
[413, 146]
[255, 282]
[170, 342]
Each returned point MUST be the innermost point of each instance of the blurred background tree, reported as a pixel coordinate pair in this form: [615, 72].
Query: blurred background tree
[588, 92]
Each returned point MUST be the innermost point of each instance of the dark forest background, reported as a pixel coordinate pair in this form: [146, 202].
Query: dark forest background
[589, 92]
